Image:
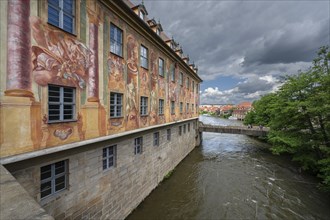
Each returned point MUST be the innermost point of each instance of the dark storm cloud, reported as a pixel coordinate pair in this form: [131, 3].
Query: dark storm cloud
[245, 39]
[254, 84]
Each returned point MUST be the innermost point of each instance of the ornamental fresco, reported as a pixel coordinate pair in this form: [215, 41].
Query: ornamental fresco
[58, 58]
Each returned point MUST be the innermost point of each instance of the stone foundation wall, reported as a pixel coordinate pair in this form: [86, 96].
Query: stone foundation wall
[108, 194]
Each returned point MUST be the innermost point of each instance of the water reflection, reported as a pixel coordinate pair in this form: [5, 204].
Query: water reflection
[232, 177]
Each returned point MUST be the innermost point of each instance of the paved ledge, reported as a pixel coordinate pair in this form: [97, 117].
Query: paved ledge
[15, 202]
[257, 132]
[50, 150]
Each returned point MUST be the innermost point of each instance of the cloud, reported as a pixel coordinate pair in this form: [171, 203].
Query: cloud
[256, 42]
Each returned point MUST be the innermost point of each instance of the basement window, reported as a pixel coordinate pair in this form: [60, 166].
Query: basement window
[156, 139]
[53, 178]
[109, 157]
[138, 143]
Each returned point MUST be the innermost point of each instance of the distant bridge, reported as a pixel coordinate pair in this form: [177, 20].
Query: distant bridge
[255, 131]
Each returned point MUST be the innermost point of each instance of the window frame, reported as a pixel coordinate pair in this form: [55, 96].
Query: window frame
[156, 139]
[181, 79]
[161, 106]
[180, 130]
[107, 158]
[181, 107]
[188, 127]
[187, 82]
[61, 104]
[116, 29]
[168, 134]
[53, 177]
[187, 107]
[138, 145]
[172, 107]
[184, 128]
[161, 67]
[173, 74]
[144, 56]
[144, 106]
[116, 105]
[61, 13]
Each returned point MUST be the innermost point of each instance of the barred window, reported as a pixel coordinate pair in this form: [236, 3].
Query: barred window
[53, 178]
[61, 103]
[138, 144]
[109, 157]
[161, 67]
[116, 104]
[161, 107]
[61, 13]
[144, 56]
[156, 139]
[116, 40]
[144, 105]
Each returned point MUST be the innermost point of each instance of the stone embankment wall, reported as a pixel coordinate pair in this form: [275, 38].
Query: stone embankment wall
[94, 193]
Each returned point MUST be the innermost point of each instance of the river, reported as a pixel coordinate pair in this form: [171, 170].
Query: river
[233, 177]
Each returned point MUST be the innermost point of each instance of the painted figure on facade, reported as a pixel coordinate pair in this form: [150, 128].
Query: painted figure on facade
[116, 67]
[132, 74]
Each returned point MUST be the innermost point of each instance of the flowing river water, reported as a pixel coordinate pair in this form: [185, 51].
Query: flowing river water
[233, 177]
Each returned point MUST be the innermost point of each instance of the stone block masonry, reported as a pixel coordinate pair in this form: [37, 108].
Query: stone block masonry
[94, 193]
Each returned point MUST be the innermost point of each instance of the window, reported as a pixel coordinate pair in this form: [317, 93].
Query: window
[194, 125]
[192, 108]
[61, 13]
[53, 178]
[116, 104]
[61, 103]
[180, 130]
[188, 127]
[138, 142]
[181, 107]
[172, 107]
[158, 31]
[197, 88]
[161, 107]
[141, 15]
[161, 67]
[116, 40]
[144, 105]
[181, 78]
[187, 108]
[144, 57]
[109, 157]
[156, 139]
[173, 74]
[184, 129]
[193, 86]
[187, 83]
[168, 134]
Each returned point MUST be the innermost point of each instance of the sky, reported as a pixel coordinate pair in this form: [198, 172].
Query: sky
[243, 48]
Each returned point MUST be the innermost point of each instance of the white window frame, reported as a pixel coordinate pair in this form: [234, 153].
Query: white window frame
[108, 159]
[61, 103]
[53, 177]
[161, 67]
[138, 145]
[116, 105]
[144, 57]
[144, 105]
[61, 12]
[116, 45]
[161, 107]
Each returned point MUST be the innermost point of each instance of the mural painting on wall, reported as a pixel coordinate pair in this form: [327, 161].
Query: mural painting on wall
[131, 86]
[154, 89]
[116, 67]
[58, 58]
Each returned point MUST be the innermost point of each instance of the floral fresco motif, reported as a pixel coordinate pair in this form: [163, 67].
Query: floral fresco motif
[63, 133]
[116, 67]
[58, 58]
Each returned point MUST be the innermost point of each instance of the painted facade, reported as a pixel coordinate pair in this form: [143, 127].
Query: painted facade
[35, 54]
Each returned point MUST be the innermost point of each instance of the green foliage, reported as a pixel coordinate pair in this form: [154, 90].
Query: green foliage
[299, 117]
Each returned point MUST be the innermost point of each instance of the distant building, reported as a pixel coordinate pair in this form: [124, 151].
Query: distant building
[241, 110]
